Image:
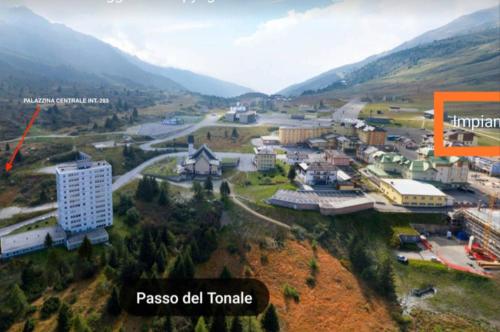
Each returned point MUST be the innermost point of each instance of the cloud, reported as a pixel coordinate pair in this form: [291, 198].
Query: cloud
[272, 27]
[184, 26]
[263, 44]
[299, 45]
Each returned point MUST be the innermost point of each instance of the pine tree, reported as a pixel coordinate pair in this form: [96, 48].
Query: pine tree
[16, 301]
[85, 250]
[124, 203]
[201, 326]
[32, 281]
[48, 241]
[80, 324]
[125, 151]
[235, 134]
[43, 197]
[208, 185]
[168, 238]
[103, 260]
[155, 189]
[113, 258]
[218, 324]
[161, 260]
[147, 251]
[195, 251]
[225, 274]
[132, 217]
[147, 189]
[178, 270]
[236, 325]
[162, 199]
[188, 265]
[386, 280]
[269, 321]
[198, 192]
[225, 191]
[292, 174]
[167, 324]
[113, 306]
[209, 136]
[64, 318]
[29, 325]
[19, 157]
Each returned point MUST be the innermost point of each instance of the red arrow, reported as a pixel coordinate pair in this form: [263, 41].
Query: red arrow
[9, 164]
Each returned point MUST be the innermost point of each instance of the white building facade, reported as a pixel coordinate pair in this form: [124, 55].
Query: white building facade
[84, 195]
[265, 159]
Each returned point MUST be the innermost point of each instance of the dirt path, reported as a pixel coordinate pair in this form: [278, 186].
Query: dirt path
[258, 215]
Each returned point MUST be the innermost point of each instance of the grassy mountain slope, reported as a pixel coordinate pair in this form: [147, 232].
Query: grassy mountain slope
[192, 81]
[469, 62]
[54, 51]
[478, 21]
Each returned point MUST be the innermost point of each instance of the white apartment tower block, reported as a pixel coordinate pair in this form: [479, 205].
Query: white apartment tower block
[84, 195]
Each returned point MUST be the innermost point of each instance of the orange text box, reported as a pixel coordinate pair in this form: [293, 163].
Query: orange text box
[440, 98]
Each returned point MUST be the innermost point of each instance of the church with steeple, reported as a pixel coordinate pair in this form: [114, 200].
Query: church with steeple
[201, 161]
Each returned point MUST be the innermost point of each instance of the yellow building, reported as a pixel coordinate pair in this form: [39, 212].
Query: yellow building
[413, 193]
[294, 135]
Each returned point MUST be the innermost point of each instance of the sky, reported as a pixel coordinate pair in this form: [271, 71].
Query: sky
[265, 45]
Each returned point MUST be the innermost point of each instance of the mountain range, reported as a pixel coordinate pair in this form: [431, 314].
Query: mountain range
[482, 20]
[33, 48]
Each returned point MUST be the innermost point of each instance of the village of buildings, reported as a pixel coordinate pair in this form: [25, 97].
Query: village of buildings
[341, 166]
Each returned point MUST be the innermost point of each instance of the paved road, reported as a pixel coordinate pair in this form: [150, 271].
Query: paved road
[8, 229]
[246, 165]
[65, 136]
[132, 174]
[350, 110]
[212, 121]
[209, 120]
[11, 211]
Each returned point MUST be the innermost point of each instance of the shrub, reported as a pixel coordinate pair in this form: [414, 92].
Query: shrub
[314, 245]
[311, 281]
[132, 216]
[299, 233]
[247, 271]
[49, 307]
[291, 293]
[313, 265]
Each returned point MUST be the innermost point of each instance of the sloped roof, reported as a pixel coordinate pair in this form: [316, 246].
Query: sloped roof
[412, 187]
[426, 151]
[321, 167]
[420, 166]
[204, 149]
[390, 157]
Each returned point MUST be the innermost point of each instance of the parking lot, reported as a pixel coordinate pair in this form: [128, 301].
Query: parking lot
[484, 182]
[461, 196]
[450, 252]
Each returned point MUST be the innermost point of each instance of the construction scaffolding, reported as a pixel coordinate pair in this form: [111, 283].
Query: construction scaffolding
[484, 225]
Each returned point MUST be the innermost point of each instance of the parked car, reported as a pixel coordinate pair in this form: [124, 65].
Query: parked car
[402, 259]
[423, 291]
[435, 259]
